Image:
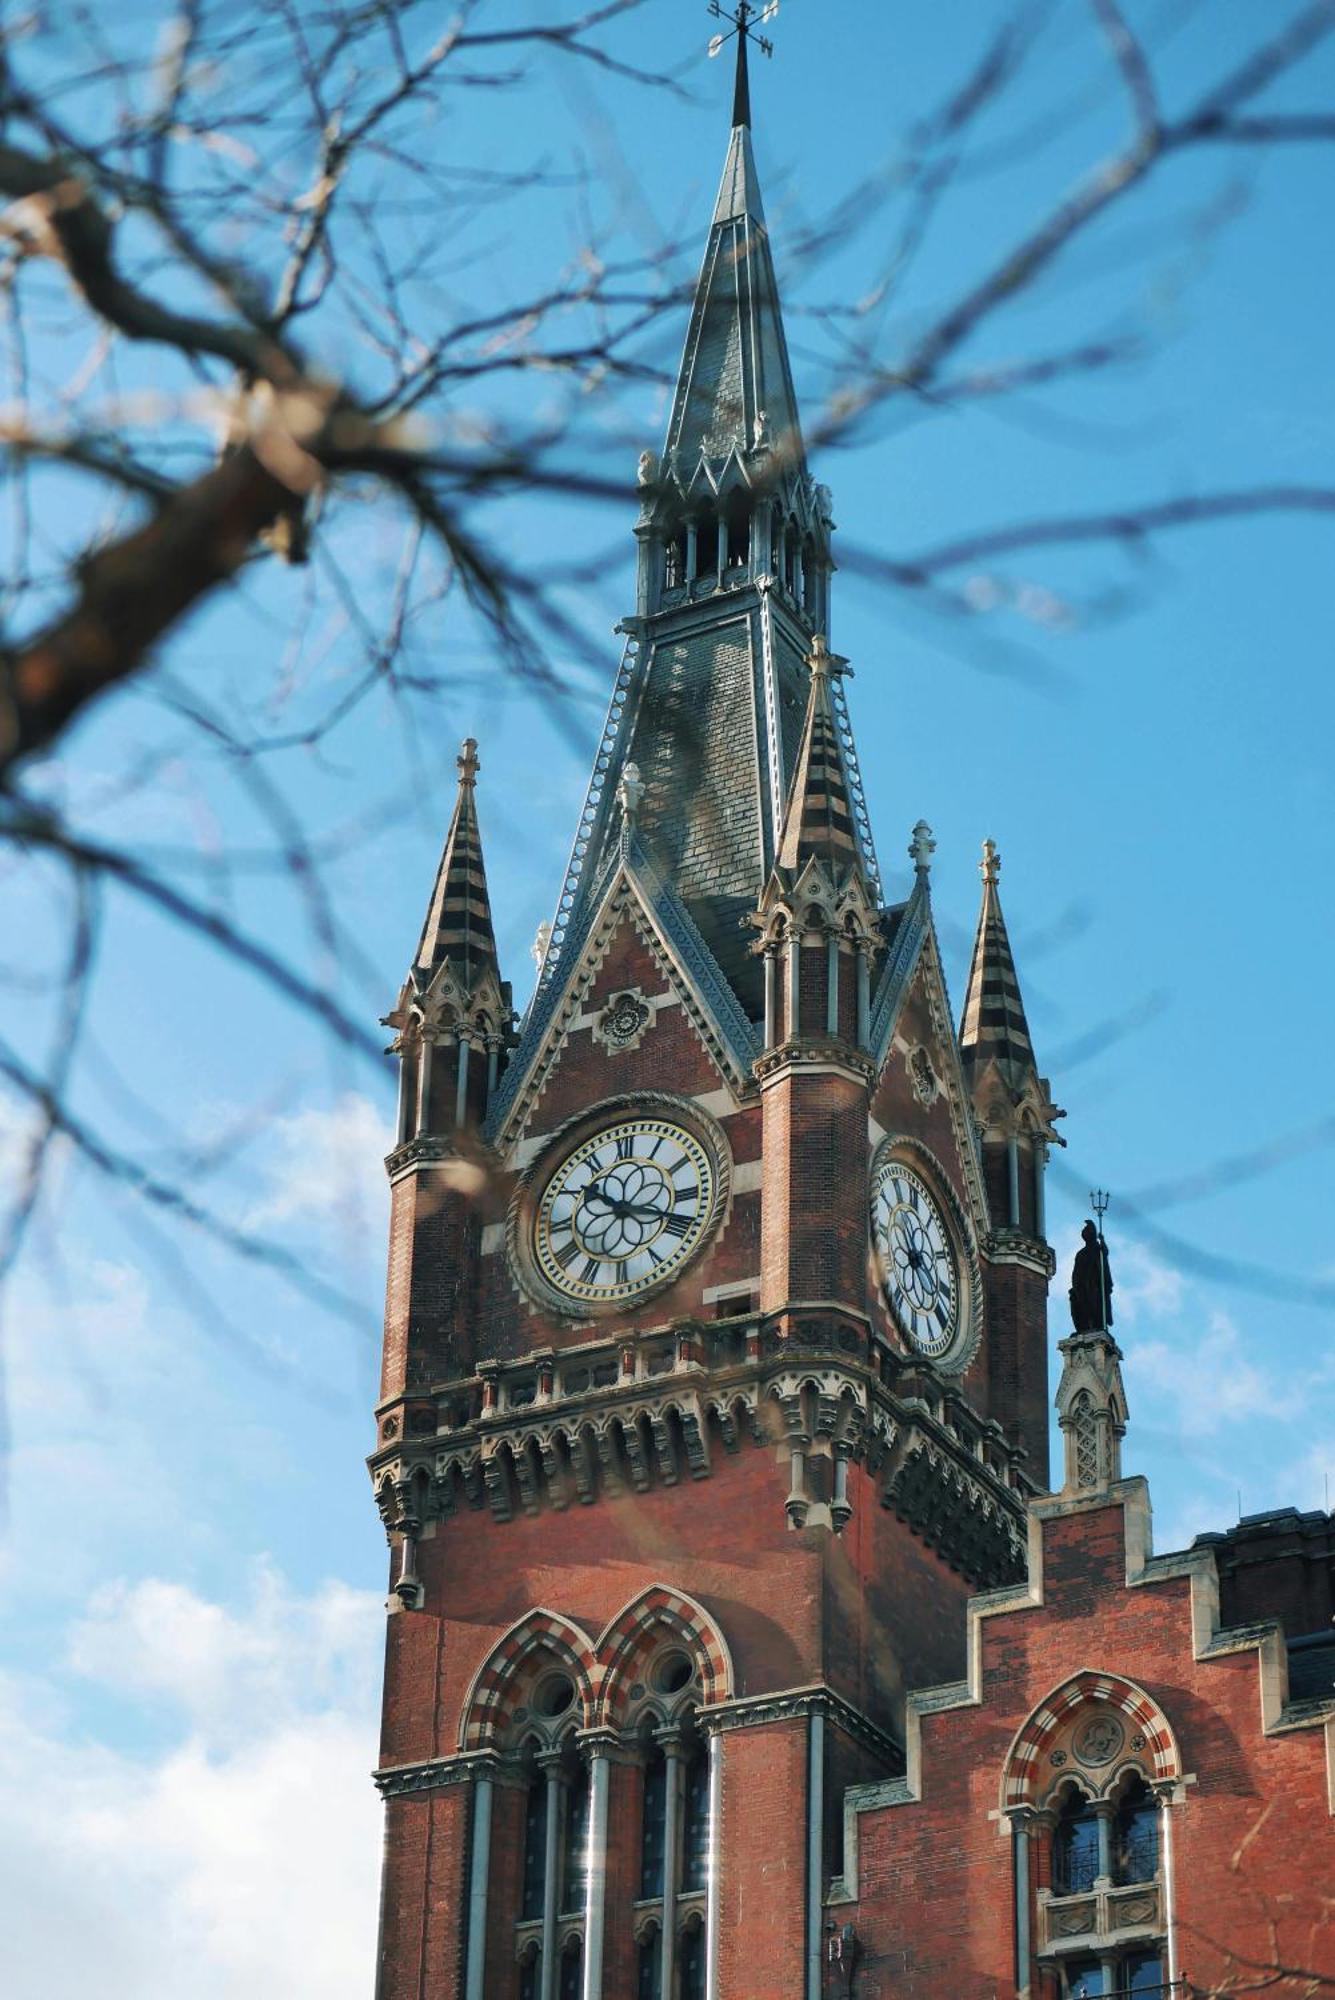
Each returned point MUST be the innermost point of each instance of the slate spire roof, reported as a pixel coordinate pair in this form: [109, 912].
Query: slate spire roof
[994, 1024]
[735, 386]
[818, 819]
[458, 928]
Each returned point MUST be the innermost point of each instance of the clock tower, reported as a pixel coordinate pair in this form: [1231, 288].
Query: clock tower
[715, 1373]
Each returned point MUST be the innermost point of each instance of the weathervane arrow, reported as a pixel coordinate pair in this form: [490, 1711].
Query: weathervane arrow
[743, 25]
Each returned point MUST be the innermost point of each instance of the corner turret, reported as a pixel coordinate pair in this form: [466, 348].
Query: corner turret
[454, 1011]
[1012, 1102]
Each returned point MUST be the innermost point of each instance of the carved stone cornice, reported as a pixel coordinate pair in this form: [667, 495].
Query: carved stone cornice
[816, 1052]
[632, 1413]
[394, 1781]
[964, 1515]
[429, 1149]
[1014, 1247]
[790, 1704]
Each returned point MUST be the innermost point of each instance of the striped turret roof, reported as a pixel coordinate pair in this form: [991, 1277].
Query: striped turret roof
[994, 1022]
[458, 928]
[819, 815]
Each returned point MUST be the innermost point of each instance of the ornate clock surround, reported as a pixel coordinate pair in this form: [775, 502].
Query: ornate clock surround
[924, 1166]
[526, 1203]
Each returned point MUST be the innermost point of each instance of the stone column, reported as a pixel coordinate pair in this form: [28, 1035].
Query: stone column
[1013, 1181]
[425, 1048]
[461, 1080]
[864, 997]
[832, 985]
[674, 1751]
[595, 1894]
[771, 996]
[550, 1762]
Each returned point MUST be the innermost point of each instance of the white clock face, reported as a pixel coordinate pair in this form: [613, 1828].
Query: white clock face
[624, 1210]
[919, 1274]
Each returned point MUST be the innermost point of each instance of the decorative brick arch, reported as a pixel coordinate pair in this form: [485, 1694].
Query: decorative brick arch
[655, 1613]
[490, 1700]
[1150, 1745]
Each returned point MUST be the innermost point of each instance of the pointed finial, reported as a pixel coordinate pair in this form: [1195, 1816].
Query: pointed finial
[541, 939]
[921, 848]
[990, 865]
[467, 760]
[630, 791]
[742, 28]
[818, 659]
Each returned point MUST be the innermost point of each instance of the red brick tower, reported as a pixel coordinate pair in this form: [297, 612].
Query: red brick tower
[715, 1376]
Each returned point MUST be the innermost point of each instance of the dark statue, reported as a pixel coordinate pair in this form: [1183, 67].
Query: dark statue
[1091, 1285]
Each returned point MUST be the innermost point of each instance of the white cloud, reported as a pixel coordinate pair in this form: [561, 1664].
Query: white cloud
[1208, 1382]
[278, 1657]
[242, 1858]
[325, 1166]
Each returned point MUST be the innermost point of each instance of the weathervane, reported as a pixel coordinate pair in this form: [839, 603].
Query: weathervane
[744, 23]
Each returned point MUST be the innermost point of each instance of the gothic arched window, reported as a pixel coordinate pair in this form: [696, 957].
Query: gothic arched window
[695, 1821]
[649, 1966]
[691, 1963]
[652, 1848]
[535, 1845]
[1075, 1847]
[575, 1844]
[1136, 1834]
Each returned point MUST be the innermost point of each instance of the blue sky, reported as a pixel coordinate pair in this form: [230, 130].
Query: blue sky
[192, 1569]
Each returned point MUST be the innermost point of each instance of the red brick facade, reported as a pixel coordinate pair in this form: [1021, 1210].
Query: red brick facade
[736, 1649]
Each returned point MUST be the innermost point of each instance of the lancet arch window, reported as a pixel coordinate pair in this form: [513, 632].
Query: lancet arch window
[580, 1743]
[1088, 1786]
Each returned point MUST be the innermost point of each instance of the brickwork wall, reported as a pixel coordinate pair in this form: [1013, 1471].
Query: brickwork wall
[1016, 1358]
[762, 1905]
[814, 1242]
[1255, 1842]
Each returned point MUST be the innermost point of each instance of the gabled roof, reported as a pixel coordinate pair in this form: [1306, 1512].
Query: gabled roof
[818, 819]
[726, 1028]
[458, 929]
[994, 1025]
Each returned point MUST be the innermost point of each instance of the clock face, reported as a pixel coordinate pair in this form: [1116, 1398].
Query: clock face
[919, 1273]
[624, 1210]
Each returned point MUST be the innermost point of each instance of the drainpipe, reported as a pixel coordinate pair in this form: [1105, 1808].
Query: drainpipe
[714, 1864]
[815, 1851]
[476, 1964]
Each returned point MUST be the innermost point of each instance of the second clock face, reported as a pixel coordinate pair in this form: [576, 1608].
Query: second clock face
[624, 1210]
[919, 1273]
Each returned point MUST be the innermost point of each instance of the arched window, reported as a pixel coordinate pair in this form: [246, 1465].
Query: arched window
[695, 1822]
[1143, 1974]
[535, 1845]
[739, 532]
[575, 1845]
[649, 1966]
[529, 1982]
[691, 1962]
[570, 1982]
[652, 1849]
[1075, 1848]
[1136, 1834]
[1085, 1980]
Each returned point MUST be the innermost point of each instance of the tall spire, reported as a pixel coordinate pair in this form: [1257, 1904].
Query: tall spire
[819, 816]
[735, 385]
[994, 1024]
[458, 928]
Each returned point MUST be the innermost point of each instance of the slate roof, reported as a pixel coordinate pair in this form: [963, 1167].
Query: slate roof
[458, 926]
[994, 1023]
